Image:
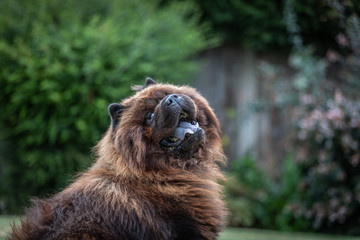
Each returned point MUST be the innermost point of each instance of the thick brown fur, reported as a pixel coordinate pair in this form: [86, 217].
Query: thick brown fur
[136, 189]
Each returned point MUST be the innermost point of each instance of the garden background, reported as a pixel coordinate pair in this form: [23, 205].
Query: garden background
[283, 77]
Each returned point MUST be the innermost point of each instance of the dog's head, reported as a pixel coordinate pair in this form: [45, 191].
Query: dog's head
[164, 125]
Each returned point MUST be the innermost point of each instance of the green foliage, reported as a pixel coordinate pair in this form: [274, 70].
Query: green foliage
[244, 189]
[257, 24]
[255, 200]
[62, 63]
[261, 24]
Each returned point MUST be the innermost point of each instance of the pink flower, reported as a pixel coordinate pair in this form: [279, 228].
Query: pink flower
[335, 114]
[339, 97]
[306, 99]
[332, 56]
[342, 40]
[354, 160]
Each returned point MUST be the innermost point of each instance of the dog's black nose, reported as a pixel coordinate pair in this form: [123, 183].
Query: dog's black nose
[173, 98]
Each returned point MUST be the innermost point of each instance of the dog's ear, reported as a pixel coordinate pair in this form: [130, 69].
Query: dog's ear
[115, 110]
[148, 82]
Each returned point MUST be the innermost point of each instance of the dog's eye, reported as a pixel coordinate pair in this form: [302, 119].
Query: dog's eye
[149, 117]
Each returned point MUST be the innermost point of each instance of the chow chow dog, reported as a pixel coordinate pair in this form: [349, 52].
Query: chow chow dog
[155, 176]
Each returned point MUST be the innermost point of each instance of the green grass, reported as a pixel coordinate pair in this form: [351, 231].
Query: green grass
[228, 234]
[5, 225]
[255, 234]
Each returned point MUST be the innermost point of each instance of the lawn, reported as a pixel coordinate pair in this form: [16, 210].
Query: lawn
[228, 234]
[5, 227]
[252, 234]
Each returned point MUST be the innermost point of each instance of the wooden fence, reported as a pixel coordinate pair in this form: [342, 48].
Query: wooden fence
[231, 82]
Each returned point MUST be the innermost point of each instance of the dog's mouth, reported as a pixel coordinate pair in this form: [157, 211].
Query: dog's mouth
[186, 137]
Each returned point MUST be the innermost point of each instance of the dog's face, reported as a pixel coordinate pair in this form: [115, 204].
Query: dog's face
[174, 122]
[161, 124]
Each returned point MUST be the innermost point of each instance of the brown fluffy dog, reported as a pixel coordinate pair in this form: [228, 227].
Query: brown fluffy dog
[155, 176]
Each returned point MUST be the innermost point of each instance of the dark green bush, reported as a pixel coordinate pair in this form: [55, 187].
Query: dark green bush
[256, 200]
[245, 188]
[61, 63]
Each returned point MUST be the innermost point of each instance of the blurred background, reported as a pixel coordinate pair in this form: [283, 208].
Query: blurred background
[283, 77]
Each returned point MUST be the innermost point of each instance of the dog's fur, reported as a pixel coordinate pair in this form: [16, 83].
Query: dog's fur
[139, 188]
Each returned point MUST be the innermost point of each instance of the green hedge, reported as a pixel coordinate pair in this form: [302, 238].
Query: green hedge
[61, 64]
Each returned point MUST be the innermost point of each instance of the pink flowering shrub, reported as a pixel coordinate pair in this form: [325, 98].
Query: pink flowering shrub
[327, 135]
[328, 151]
